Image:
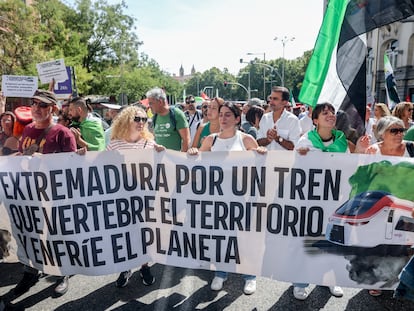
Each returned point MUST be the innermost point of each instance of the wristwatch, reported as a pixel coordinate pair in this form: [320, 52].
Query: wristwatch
[280, 140]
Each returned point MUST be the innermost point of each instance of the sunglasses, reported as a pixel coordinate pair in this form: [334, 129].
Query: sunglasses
[204, 107]
[396, 131]
[39, 104]
[140, 119]
[190, 102]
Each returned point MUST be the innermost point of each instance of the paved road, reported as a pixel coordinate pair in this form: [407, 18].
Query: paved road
[182, 289]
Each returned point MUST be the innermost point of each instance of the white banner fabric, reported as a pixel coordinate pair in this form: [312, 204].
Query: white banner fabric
[242, 212]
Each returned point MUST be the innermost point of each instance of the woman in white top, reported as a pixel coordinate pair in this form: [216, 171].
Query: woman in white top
[390, 131]
[230, 139]
[130, 131]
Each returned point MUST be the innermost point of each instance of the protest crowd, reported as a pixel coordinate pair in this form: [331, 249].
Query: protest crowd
[194, 128]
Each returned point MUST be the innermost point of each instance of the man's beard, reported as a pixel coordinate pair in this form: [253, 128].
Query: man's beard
[75, 118]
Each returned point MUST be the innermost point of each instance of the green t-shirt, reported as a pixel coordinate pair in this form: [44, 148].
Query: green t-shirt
[164, 131]
[92, 132]
[410, 134]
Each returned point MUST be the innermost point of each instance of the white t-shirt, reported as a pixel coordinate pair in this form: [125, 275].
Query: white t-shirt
[287, 127]
[306, 124]
[193, 120]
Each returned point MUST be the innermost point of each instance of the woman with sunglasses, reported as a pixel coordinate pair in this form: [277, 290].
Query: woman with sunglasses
[390, 132]
[404, 111]
[229, 138]
[130, 131]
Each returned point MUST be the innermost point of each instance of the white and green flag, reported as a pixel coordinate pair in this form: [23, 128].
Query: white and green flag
[337, 70]
[390, 84]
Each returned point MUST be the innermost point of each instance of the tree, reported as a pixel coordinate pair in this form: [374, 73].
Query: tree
[19, 29]
[106, 32]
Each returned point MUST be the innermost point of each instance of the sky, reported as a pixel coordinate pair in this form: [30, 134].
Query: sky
[218, 33]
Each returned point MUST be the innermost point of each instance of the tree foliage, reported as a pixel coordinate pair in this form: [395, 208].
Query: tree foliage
[100, 41]
[18, 48]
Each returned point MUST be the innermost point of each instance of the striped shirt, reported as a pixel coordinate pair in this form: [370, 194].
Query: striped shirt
[118, 144]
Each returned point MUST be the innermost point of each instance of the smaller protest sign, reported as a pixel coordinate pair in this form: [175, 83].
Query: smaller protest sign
[18, 86]
[54, 69]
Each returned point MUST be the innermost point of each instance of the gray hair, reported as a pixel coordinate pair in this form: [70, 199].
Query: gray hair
[255, 102]
[384, 124]
[157, 93]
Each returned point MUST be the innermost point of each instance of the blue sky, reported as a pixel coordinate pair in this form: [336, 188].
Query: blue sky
[218, 33]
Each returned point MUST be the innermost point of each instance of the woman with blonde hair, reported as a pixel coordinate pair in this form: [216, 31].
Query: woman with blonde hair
[404, 111]
[130, 131]
[380, 110]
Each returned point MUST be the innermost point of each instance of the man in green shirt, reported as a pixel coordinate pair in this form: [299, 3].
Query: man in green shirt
[88, 131]
[171, 126]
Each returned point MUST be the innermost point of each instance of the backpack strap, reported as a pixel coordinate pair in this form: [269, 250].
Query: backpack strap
[214, 139]
[172, 118]
[410, 148]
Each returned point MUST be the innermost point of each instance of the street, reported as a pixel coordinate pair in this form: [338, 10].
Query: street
[181, 289]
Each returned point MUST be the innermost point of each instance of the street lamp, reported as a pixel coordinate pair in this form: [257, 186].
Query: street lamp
[264, 72]
[272, 69]
[284, 40]
[123, 98]
[248, 87]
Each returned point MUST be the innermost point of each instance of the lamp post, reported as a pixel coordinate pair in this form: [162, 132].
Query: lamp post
[272, 69]
[264, 72]
[284, 40]
[248, 87]
[123, 97]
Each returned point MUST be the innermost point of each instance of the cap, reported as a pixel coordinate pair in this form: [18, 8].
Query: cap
[45, 96]
[111, 106]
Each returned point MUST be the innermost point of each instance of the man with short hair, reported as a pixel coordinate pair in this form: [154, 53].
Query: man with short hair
[42, 136]
[279, 129]
[88, 132]
[192, 114]
[170, 131]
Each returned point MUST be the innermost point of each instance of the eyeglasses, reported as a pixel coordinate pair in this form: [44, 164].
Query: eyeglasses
[190, 101]
[395, 131]
[39, 104]
[140, 119]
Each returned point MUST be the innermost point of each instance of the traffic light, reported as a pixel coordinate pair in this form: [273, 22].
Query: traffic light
[225, 83]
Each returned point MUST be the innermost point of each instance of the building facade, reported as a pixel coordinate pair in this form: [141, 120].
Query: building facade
[397, 41]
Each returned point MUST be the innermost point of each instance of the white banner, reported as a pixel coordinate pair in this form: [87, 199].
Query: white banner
[18, 86]
[52, 69]
[322, 218]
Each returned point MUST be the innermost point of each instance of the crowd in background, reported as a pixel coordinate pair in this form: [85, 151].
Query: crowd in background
[211, 125]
